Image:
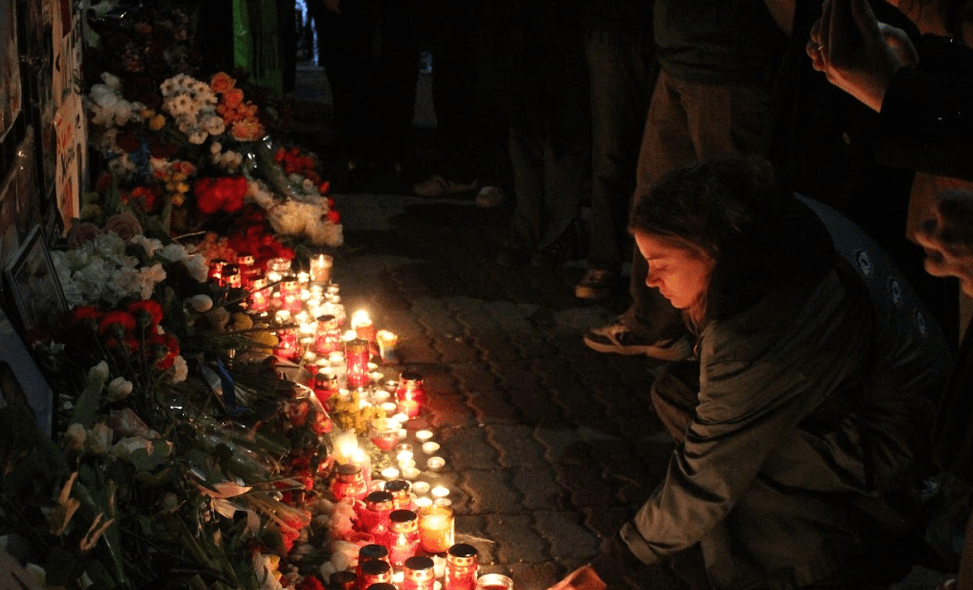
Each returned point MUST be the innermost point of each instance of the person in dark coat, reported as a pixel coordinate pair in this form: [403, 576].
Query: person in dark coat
[802, 425]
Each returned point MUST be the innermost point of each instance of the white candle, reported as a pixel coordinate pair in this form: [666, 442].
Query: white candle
[440, 491]
[390, 473]
[423, 502]
[430, 447]
[410, 473]
[423, 435]
[421, 488]
[435, 463]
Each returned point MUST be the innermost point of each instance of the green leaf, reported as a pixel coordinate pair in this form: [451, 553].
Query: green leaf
[62, 567]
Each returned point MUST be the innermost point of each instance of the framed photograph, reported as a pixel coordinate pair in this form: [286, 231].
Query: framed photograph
[32, 284]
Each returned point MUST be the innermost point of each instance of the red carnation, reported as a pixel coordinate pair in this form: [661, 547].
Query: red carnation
[123, 319]
[334, 217]
[148, 312]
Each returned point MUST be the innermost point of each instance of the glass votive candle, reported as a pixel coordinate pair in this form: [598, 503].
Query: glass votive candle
[321, 268]
[381, 396]
[384, 433]
[400, 488]
[410, 394]
[410, 473]
[435, 464]
[390, 473]
[430, 447]
[421, 488]
[494, 582]
[419, 573]
[442, 502]
[388, 407]
[439, 491]
[423, 435]
[423, 501]
[436, 528]
[404, 455]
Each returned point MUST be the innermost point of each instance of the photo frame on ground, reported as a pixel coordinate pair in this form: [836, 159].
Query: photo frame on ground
[20, 378]
[31, 283]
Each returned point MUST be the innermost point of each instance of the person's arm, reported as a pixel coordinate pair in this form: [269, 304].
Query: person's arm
[948, 240]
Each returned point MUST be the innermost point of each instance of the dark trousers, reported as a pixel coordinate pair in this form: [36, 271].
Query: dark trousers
[622, 72]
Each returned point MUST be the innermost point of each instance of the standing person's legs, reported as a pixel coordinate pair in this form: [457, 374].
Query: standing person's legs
[564, 171]
[622, 74]
[527, 163]
[651, 326]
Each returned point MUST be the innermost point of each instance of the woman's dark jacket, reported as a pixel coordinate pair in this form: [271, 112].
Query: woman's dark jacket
[818, 377]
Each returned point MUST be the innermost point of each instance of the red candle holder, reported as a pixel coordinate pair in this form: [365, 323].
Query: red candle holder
[248, 272]
[462, 566]
[374, 517]
[349, 482]
[410, 395]
[216, 270]
[328, 337]
[356, 360]
[231, 277]
[374, 572]
[418, 573]
[287, 345]
[402, 538]
[371, 552]
[400, 488]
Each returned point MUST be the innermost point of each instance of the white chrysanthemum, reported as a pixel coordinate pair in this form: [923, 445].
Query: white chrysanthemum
[180, 370]
[123, 112]
[149, 277]
[307, 186]
[102, 95]
[168, 87]
[99, 115]
[325, 233]
[197, 267]
[289, 218]
[109, 244]
[173, 252]
[214, 125]
[258, 192]
[215, 148]
[112, 81]
[198, 137]
[150, 245]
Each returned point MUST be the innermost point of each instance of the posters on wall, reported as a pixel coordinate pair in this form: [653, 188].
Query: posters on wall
[69, 130]
[10, 94]
[69, 122]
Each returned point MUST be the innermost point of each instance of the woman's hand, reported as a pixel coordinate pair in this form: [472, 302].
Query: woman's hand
[856, 52]
[583, 578]
[948, 238]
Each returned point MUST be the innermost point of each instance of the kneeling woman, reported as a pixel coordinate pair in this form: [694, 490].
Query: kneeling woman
[802, 426]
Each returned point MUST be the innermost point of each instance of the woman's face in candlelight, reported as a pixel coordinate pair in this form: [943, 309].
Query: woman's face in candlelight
[680, 273]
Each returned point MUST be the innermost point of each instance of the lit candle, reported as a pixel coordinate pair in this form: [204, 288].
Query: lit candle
[321, 268]
[390, 473]
[423, 501]
[410, 473]
[436, 528]
[345, 445]
[440, 491]
[387, 342]
[430, 447]
[423, 435]
[435, 463]
[357, 363]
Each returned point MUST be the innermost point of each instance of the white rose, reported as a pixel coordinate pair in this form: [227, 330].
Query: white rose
[119, 388]
[200, 303]
[74, 437]
[99, 371]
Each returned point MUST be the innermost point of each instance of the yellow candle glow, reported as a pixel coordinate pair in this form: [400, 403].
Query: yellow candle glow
[436, 528]
[440, 491]
[423, 435]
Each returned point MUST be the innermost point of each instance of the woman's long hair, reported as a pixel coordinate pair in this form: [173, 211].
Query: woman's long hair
[733, 211]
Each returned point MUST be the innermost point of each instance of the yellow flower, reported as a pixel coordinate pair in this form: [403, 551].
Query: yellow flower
[157, 122]
[182, 187]
[178, 199]
[179, 176]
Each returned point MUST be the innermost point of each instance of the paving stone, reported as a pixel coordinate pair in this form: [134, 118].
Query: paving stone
[493, 406]
[517, 539]
[586, 484]
[536, 406]
[536, 575]
[539, 488]
[468, 448]
[490, 491]
[516, 445]
[450, 411]
[473, 377]
[567, 534]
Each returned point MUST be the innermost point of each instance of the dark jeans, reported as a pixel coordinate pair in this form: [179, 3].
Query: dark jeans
[622, 72]
[548, 184]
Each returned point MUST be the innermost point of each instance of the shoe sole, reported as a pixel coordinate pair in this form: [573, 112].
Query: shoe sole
[673, 353]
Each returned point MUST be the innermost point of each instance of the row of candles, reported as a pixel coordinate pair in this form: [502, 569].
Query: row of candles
[410, 519]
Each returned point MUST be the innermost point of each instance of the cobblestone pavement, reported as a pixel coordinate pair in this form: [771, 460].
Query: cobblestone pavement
[549, 446]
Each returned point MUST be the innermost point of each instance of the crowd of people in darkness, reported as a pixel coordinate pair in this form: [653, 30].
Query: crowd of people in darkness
[791, 184]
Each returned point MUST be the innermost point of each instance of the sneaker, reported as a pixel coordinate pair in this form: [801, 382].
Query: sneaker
[596, 284]
[616, 338]
[436, 185]
[489, 197]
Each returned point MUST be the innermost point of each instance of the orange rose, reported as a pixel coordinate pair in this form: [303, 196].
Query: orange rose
[221, 82]
[233, 97]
